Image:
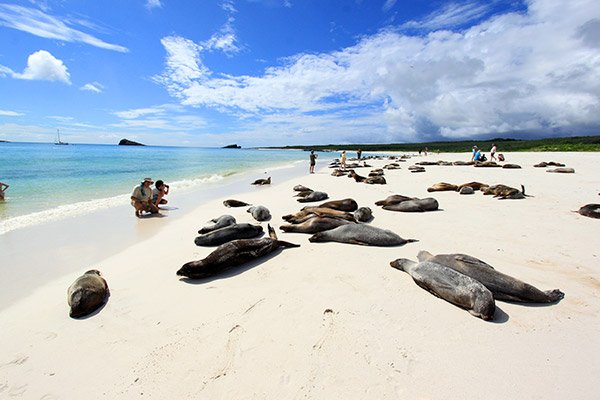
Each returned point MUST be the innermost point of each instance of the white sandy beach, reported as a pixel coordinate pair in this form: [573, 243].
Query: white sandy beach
[263, 332]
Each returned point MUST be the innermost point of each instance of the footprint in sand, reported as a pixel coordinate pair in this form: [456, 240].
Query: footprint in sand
[19, 360]
[17, 391]
[230, 350]
[328, 324]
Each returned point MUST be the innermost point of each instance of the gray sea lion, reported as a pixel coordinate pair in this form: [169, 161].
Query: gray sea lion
[232, 254]
[341, 205]
[511, 166]
[262, 181]
[502, 286]
[451, 286]
[220, 222]
[442, 187]
[311, 212]
[590, 210]
[316, 224]
[234, 203]
[366, 235]
[393, 199]
[88, 293]
[228, 233]
[466, 190]
[561, 170]
[544, 164]
[301, 188]
[414, 205]
[363, 214]
[314, 196]
[427, 163]
[260, 213]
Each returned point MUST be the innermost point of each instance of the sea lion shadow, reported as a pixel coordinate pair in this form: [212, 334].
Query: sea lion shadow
[532, 305]
[500, 317]
[233, 271]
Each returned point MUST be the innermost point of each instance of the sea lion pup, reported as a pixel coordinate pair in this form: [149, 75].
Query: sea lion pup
[474, 185]
[375, 180]
[511, 166]
[341, 205]
[366, 235]
[233, 254]
[262, 181]
[338, 172]
[503, 287]
[316, 224]
[452, 286]
[393, 199]
[301, 188]
[561, 170]
[88, 293]
[234, 203]
[311, 212]
[442, 187]
[590, 210]
[260, 213]
[221, 222]
[414, 205]
[314, 196]
[466, 190]
[363, 214]
[228, 233]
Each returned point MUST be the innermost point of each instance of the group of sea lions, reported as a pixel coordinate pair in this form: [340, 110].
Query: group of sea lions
[498, 191]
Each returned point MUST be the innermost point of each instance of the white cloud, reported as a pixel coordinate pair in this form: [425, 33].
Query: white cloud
[150, 4]
[451, 15]
[387, 6]
[533, 70]
[92, 87]
[169, 117]
[41, 65]
[224, 40]
[47, 26]
[8, 113]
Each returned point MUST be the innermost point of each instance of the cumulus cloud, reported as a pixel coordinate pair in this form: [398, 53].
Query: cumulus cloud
[44, 25]
[41, 65]
[92, 87]
[526, 71]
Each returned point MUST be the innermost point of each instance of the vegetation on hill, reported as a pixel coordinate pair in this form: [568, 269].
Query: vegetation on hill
[577, 143]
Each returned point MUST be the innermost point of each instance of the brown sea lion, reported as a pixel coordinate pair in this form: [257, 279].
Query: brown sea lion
[341, 205]
[304, 193]
[339, 172]
[311, 212]
[451, 286]
[361, 234]
[87, 294]
[502, 286]
[474, 185]
[544, 164]
[357, 177]
[590, 210]
[316, 224]
[486, 164]
[393, 199]
[376, 172]
[442, 186]
[511, 166]
[375, 180]
[505, 192]
[363, 214]
[463, 163]
[233, 254]
[234, 203]
[262, 181]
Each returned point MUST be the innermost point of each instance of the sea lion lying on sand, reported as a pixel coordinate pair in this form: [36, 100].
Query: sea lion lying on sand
[414, 205]
[452, 286]
[505, 192]
[393, 199]
[341, 205]
[87, 294]
[310, 212]
[262, 181]
[376, 172]
[363, 214]
[233, 254]
[234, 203]
[316, 224]
[502, 286]
[260, 213]
[304, 193]
[544, 164]
[339, 172]
[561, 170]
[486, 164]
[375, 180]
[416, 168]
[314, 196]
[590, 210]
[463, 163]
[220, 222]
[511, 166]
[361, 234]
[228, 233]
[301, 188]
[474, 185]
[442, 186]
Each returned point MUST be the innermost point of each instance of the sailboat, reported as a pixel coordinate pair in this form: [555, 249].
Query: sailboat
[58, 141]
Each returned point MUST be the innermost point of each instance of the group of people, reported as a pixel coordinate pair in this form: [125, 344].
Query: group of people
[147, 199]
[313, 159]
[479, 156]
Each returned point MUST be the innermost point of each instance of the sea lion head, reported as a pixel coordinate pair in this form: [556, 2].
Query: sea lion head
[402, 264]
[93, 272]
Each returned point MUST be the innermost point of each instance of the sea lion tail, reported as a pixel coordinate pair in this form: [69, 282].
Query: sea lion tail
[287, 244]
[411, 240]
[272, 233]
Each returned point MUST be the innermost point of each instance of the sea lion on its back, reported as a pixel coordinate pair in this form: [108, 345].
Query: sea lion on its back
[228, 233]
[221, 222]
[361, 234]
[502, 286]
[88, 293]
[232, 254]
[234, 203]
[451, 286]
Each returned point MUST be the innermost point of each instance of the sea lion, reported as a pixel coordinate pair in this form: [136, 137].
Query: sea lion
[544, 164]
[260, 213]
[511, 166]
[414, 205]
[311, 212]
[228, 233]
[466, 190]
[486, 164]
[221, 222]
[234, 203]
[427, 163]
[393, 199]
[505, 192]
[362, 234]
[314, 196]
[338, 172]
[561, 170]
[262, 181]
[474, 185]
[232, 254]
[304, 193]
[502, 286]
[375, 180]
[463, 163]
[363, 214]
[341, 205]
[442, 187]
[301, 188]
[357, 177]
[451, 286]
[392, 166]
[416, 168]
[316, 224]
[88, 293]
[376, 172]
[590, 210]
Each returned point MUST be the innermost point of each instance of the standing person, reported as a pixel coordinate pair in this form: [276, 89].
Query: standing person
[426, 150]
[159, 192]
[343, 159]
[141, 198]
[493, 152]
[359, 153]
[476, 156]
[3, 187]
[313, 161]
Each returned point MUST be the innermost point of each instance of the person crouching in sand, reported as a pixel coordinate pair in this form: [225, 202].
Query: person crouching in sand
[3, 187]
[141, 198]
[159, 192]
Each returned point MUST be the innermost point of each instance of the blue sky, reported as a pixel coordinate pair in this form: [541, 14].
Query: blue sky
[285, 72]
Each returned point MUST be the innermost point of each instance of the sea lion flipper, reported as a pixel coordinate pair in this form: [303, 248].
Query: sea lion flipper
[287, 244]
[272, 233]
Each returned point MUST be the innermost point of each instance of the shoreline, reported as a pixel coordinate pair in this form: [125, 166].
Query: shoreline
[330, 320]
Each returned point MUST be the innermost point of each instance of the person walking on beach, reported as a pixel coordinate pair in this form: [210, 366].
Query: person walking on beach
[359, 153]
[493, 152]
[3, 187]
[159, 192]
[343, 159]
[141, 198]
[313, 161]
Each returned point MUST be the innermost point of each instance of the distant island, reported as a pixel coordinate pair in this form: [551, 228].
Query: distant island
[127, 142]
[232, 146]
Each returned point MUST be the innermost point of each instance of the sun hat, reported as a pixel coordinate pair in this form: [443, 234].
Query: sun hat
[148, 180]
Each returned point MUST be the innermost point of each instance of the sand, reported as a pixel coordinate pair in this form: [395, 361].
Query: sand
[330, 320]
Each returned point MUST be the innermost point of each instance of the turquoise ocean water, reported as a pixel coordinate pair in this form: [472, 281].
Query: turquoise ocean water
[49, 182]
